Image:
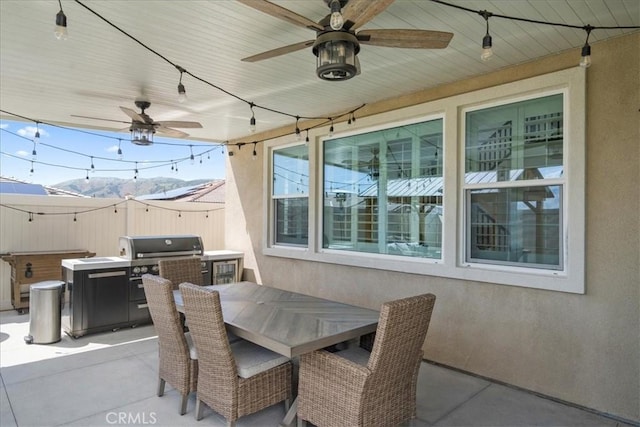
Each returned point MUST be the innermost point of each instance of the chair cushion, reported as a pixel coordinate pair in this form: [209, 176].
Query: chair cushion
[355, 354]
[251, 359]
[192, 348]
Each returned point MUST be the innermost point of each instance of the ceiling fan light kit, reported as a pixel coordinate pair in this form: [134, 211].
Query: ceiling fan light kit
[336, 53]
[142, 134]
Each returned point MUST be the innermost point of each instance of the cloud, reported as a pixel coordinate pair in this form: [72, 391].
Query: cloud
[112, 149]
[22, 153]
[30, 132]
[4, 125]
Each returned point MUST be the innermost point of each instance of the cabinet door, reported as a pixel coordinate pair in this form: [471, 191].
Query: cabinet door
[106, 300]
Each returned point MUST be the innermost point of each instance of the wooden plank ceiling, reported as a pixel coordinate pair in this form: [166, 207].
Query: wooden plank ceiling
[97, 69]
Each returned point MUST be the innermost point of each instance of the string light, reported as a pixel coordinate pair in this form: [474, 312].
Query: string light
[487, 51]
[331, 129]
[255, 154]
[61, 24]
[306, 140]
[298, 134]
[337, 20]
[93, 168]
[36, 137]
[120, 156]
[192, 158]
[34, 155]
[31, 171]
[182, 93]
[135, 173]
[86, 178]
[585, 59]
[252, 121]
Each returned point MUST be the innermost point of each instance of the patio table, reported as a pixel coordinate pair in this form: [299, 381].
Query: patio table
[287, 322]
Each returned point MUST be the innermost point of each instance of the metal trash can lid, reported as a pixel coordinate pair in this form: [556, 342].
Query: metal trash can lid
[48, 284]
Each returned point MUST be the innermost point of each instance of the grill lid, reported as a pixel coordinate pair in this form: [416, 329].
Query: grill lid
[138, 247]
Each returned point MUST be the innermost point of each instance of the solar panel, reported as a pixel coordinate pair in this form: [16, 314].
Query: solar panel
[22, 188]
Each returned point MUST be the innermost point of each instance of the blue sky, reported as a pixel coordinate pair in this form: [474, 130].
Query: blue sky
[65, 153]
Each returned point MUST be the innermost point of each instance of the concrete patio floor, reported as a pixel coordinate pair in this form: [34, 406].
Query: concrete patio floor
[111, 378]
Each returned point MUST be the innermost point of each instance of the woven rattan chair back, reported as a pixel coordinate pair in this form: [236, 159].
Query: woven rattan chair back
[336, 391]
[175, 363]
[180, 270]
[219, 385]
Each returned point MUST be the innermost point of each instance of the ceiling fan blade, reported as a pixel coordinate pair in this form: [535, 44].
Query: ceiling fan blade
[280, 12]
[174, 133]
[279, 51]
[135, 116]
[179, 124]
[362, 11]
[415, 39]
[98, 118]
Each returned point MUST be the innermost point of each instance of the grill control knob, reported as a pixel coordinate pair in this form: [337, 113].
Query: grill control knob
[136, 270]
[144, 269]
[155, 269]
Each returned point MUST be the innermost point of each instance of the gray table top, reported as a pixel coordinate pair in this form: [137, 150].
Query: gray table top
[287, 322]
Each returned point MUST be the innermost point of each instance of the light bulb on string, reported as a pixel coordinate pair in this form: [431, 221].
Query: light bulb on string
[252, 121]
[135, 173]
[60, 30]
[192, 158]
[120, 156]
[487, 49]
[331, 129]
[86, 178]
[585, 59]
[298, 134]
[36, 137]
[93, 168]
[306, 140]
[31, 171]
[255, 153]
[337, 20]
[34, 155]
[182, 92]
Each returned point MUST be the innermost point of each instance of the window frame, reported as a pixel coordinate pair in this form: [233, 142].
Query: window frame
[571, 279]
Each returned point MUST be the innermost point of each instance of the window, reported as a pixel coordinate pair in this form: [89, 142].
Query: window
[485, 186]
[383, 191]
[513, 183]
[290, 195]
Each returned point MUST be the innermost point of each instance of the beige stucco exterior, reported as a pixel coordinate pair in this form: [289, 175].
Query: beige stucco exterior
[583, 349]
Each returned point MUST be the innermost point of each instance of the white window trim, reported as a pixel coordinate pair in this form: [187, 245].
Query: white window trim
[572, 279]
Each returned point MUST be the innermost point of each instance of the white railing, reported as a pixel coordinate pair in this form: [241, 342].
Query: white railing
[51, 223]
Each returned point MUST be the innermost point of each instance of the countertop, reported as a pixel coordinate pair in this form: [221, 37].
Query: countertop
[79, 264]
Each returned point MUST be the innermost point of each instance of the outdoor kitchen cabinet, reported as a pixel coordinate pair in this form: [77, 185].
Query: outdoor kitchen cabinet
[98, 300]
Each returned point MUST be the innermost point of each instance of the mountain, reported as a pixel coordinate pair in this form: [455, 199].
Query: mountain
[118, 188]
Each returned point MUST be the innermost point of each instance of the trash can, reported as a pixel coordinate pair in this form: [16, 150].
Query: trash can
[45, 304]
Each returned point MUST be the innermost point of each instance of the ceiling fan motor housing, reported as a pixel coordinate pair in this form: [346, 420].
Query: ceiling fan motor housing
[336, 53]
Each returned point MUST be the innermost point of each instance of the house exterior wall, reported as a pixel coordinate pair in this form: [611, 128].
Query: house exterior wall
[98, 226]
[582, 349]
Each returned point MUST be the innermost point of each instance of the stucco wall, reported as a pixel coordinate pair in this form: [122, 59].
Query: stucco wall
[583, 349]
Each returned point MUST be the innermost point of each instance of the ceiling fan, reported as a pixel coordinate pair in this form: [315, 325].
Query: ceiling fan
[143, 127]
[337, 44]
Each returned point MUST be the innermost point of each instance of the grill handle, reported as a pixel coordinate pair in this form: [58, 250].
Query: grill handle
[166, 254]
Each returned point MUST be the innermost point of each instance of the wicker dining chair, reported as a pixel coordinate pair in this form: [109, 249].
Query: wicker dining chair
[180, 270]
[178, 361]
[234, 379]
[356, 388]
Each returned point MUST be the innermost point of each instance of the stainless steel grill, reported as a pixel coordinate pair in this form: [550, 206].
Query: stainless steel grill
[149, 247]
